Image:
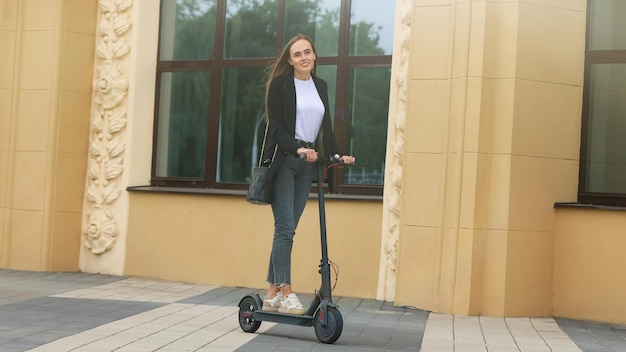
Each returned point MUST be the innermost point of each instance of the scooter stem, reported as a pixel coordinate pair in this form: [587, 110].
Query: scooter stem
[324, 266]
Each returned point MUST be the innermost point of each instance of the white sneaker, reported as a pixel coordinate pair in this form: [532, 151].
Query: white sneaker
[291, 305]
[272, 304]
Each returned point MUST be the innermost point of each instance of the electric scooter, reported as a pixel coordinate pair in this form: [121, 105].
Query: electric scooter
[322, 314]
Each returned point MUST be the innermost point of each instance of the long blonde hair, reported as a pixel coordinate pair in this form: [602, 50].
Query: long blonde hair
[280, 66]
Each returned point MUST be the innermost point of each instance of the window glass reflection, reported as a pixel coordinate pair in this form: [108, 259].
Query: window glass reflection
[250, 29]
[318, 20]
[607, 25]
[187, 29]
[210, 114]
[606, 160]
[182, 124]
[368, 108]
[242, 123]
[371, 27]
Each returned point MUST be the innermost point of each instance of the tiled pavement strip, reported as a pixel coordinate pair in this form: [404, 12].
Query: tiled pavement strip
[54, 312]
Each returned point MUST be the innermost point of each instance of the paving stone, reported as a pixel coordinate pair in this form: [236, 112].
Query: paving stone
[44, 312]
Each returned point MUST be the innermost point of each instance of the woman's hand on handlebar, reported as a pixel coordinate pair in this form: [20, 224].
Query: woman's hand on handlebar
[309, 155]
[347, 159]
[312, 156]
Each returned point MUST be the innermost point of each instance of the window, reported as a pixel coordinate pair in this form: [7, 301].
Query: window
[603, 160]
[213, 56]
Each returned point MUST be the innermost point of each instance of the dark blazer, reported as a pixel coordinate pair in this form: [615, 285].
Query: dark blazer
[281, 106]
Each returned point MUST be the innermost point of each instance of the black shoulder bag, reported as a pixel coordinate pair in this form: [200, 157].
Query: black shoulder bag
[260, 190]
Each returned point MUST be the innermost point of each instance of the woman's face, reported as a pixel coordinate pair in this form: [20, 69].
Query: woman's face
[302, 58]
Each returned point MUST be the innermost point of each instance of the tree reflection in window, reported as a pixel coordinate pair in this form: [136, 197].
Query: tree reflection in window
[232, 42]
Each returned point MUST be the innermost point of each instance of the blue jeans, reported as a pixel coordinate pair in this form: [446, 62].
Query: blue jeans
[292, 186]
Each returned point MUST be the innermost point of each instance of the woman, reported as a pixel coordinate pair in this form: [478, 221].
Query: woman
[296, 104]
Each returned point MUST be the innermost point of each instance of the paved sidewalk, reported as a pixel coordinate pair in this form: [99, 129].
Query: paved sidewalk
[56, 312]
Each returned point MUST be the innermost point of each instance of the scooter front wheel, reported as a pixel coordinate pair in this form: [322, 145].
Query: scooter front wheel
[247, 306]
[334, 325]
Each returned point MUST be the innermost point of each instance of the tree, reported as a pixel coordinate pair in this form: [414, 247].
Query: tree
[250, 33]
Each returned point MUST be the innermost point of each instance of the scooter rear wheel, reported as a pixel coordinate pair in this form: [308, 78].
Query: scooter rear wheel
[334, 325]
[247, 306]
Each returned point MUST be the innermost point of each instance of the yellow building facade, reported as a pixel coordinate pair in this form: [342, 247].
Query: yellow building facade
[483, 140]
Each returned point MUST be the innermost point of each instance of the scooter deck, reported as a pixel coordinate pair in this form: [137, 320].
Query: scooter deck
[304, 320]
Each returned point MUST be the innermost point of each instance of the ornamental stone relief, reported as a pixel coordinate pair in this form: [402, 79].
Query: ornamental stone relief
[393, 199]
[106, 146]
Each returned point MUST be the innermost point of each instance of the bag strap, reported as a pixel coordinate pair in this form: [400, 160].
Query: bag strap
[263, 146]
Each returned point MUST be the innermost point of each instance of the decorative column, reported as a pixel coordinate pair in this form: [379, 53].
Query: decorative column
[392, 202]
[107, 133]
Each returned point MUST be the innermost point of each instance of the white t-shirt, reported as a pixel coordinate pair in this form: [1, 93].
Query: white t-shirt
[309, 110]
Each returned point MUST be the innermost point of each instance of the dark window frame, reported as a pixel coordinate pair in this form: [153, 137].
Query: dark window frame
[215, 65]
[593, 57]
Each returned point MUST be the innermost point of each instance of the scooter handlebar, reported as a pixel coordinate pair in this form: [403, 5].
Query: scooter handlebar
[335, 158]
